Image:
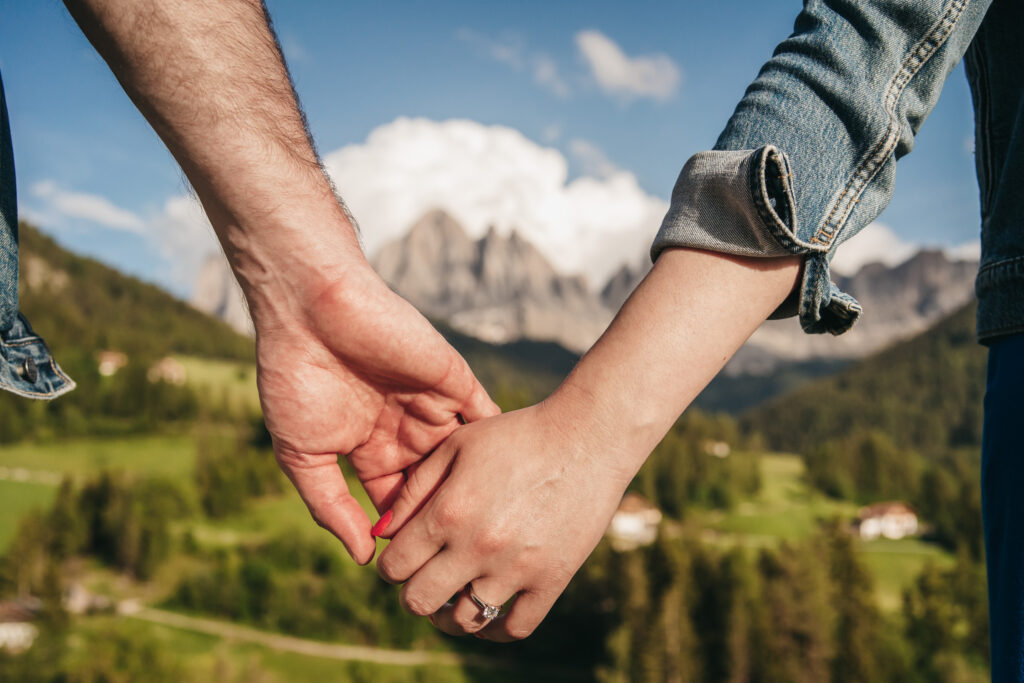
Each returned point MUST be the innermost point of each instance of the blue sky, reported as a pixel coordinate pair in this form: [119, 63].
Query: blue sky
[93, 173]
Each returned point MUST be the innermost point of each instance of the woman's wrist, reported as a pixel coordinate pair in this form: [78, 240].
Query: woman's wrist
[600, 425]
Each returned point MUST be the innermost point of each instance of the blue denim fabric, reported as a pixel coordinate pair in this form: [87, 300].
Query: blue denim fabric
[1002, 480]
[808, 158]
[26, 366]
[994, 63]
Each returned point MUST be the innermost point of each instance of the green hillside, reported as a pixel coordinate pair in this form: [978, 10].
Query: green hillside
[925, 394]
[168, 498]
[82, 307]
[78, 303]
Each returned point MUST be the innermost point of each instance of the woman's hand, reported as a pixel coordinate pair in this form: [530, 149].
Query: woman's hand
[526, 497]
[528, 494]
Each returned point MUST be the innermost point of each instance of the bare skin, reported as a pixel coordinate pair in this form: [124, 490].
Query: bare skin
[522, 499]
[345, 366]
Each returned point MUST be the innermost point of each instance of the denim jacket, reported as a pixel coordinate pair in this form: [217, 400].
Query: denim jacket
[26, 366]
[808, 158]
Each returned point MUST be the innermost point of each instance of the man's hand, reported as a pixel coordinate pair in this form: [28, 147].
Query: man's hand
[345, 366]
[363, 374]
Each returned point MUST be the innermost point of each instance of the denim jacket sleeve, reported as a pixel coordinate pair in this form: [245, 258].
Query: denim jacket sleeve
[808, 158]
[26, 366]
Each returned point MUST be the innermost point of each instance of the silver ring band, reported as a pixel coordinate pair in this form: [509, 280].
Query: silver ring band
[487, 611]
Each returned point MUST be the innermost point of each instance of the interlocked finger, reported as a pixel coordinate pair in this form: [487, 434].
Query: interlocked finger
[525, 614]
[467, 615]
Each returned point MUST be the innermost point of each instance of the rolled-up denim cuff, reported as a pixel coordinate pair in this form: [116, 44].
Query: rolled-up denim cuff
[1000, 290]
[26, 366]
[741, 202]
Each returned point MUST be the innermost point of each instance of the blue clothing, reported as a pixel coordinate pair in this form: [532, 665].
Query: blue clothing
[26, 366]
[808, 159]
[1002, 480]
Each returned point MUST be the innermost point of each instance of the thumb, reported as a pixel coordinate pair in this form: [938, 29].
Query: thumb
[422, 480]
[479, 405]
[319, 481]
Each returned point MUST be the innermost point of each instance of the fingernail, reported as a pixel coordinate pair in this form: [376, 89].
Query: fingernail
[382, 524]
[478, 635]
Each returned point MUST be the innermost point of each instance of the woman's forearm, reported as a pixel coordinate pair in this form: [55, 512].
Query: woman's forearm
[674, 334]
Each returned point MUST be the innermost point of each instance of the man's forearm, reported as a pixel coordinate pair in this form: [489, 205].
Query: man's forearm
[209, 77]
[678, 329]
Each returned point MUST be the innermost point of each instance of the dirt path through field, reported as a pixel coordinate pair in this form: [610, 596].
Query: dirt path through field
[314, 648]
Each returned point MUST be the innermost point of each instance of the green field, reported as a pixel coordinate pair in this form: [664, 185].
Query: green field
[895, 565]
[786, 508]
[204, 657]
[17, 498]
[232, 382]
[167, 455]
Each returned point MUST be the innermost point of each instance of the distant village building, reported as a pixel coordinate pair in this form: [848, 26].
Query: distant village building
[719, 449]
[17, 632]
[168, 370]
[78, 600]
[893, 520]
[110, 362]
[634, 524]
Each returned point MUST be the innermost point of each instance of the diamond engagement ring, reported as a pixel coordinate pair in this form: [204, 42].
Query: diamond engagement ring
[488, 611]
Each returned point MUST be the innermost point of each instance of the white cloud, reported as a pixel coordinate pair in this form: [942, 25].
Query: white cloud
[295, 51]
[507, 49]
[545, 74]
[592, 159]
[179, 230]
[968, 251]
[89, 207]
[183, 235]
[968, 145]
[493, 175]
[552, 132]
[618, 74]
[876, 243]
[511, 50]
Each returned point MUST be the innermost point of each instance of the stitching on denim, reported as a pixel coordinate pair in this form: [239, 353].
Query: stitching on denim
[23, 342]
[991, 270]
[759, 190]
[69, 384]
[918, 56]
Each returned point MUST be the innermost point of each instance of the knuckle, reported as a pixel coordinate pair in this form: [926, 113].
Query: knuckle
[416, 604]
[448, 513]
[519, 631]
[490, 541]
[469, 624]
[387, 570]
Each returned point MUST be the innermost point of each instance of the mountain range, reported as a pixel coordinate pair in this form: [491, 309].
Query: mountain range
[499, 288]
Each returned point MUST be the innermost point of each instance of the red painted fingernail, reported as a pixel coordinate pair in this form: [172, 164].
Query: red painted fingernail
[382, 524]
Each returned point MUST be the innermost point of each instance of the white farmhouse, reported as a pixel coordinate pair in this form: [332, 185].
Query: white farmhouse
[634, 524]
[17, 632]
[892, 520]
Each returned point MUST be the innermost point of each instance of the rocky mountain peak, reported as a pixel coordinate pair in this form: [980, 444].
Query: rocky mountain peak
[217, 293]
[499, 287]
